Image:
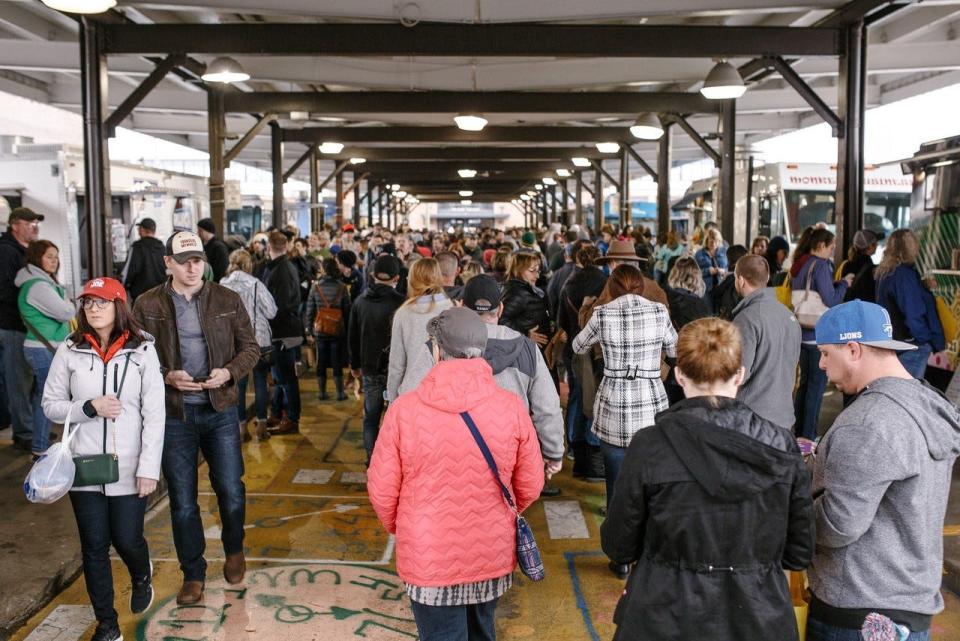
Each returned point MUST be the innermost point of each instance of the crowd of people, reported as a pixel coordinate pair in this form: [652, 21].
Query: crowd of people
[693, 373]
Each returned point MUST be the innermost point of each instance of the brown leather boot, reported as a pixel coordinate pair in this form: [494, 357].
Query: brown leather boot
[273, 421]
[190, 593]
[235, 568]
[286, 427]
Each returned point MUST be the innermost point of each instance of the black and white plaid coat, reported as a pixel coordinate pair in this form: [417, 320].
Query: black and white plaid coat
[633, 332]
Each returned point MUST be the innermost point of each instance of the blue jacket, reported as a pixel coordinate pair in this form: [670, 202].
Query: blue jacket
[705, 262]
[831, 293]
[912, 308]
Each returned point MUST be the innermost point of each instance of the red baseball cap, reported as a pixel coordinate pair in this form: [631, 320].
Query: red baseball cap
[349, 227]
[108, 289]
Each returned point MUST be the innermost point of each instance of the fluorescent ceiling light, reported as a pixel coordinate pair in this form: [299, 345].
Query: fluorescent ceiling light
[467, 173]
[547, 180]
[299, 115]
[647, 127]
[470, 122]
[538, 186]
[331, 147]
[531, 192]
[225, 70]
[466, 193]
[563, 173]
[81, 6]
[466, 201]
[723, 83]
[524, 196]
[394, 186]
[580, 162]
[357, 161]
[608, 147]
[400, 194]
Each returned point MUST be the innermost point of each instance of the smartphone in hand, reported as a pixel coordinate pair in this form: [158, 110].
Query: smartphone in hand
[201, 379]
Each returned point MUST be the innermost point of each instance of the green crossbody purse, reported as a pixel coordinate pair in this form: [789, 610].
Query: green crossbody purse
[101, 469]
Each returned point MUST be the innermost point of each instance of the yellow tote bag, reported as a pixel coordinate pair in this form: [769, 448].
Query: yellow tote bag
[798, 588]
[947, 320]
[784, 293]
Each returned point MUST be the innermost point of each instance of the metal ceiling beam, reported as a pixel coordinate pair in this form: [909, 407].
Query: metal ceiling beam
[807, 93]
[695, 137]
[469, 102]
[389, 154]
[445, 39]
[643, 163]
[140, 92]
[298, 162]
[248, 137]
[544, 134]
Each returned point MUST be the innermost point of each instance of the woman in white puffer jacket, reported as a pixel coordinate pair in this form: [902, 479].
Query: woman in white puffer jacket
[105, 381]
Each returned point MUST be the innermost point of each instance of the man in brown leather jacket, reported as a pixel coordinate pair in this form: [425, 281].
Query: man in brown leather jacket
[205, 343]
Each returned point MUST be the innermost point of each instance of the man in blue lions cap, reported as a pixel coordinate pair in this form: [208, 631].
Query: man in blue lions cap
[880, 483]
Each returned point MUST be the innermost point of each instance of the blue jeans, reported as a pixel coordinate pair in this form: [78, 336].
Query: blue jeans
[4, 411]
[19, 380]
[102, 521]
[819, 631]
[457, 622]
[373, 388]
[261, 394]
[915, 362]
[809, 396]
[216, 435]
[287, 385]
[39, 359]
[612, 460]
[578, 425]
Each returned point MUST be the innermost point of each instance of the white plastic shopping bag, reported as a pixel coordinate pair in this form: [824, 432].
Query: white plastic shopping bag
[51, 476]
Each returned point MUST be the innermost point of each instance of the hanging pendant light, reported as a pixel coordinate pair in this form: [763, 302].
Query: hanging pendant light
[469, 122]
[225, 70]
[647, 127]
[331, 147]
[723, 83]
[467, 173]
[81, 6]
[580, 162]
[608, 147]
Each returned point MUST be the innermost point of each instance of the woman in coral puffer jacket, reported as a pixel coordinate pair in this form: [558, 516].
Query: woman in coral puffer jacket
[430, 485]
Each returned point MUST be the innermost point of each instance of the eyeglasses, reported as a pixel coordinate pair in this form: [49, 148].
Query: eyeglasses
[534, 270]
[90, 302]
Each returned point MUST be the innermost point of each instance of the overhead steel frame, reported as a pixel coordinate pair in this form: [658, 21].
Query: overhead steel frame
[316, 202]
[727, 182]
[96, 168]
[848, 208]
[664, 165]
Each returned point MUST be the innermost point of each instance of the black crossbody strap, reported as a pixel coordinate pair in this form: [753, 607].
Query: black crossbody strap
[488, 456]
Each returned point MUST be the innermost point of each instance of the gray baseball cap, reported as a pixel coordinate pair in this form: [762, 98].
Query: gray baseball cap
[456, 330]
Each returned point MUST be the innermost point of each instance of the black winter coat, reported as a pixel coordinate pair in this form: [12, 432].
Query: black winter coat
[146, 269]
[864, 285]
[686, 307]
[12, 259]
[218, 255]
[371, 323]
[281, 279]
[525, 308]
[725, 297]
[588, 281]
[712, 503]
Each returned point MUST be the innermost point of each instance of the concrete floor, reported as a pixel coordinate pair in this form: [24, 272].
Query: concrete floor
[322, 568]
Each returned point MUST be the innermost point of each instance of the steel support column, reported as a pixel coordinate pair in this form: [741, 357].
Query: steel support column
[553, 204]
[663, 180]
[356, 199]
[625, 217]
[728, 145]
[97, 203]
[276, 163]
[597, 197]
[369, 204]
[848, 211]
[316, 206]
[338, 216]
[565, 214]
[578, 203]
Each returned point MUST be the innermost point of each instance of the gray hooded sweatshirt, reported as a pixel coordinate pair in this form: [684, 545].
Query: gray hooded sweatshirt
[880, 486]
[518, 367]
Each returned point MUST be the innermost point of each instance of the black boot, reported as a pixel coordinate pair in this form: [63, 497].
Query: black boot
[595, 468]
[581, 464]
[338, 383]
[322, 384]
